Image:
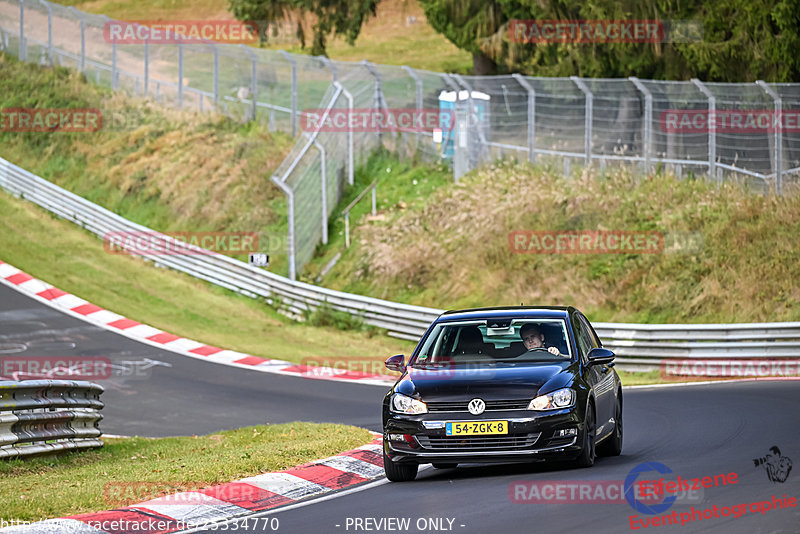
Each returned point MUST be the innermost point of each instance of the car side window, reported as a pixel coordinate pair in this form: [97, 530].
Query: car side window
[591, 338]
[580, 337]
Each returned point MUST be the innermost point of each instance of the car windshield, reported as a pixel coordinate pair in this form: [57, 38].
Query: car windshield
[496, 341]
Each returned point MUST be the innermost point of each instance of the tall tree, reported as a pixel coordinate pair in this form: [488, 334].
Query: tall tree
[466, 23]
[340, 17]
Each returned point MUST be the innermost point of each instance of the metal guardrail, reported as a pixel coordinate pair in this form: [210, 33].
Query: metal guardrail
[640, 345]
[43, 416]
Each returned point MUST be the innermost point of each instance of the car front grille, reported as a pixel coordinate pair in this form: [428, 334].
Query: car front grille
[491, 406]
[478, 443]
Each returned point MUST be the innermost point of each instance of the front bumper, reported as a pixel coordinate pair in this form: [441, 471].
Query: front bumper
[531, 436]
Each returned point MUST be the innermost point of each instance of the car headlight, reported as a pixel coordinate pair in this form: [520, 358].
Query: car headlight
[405, 404]
[561, 398]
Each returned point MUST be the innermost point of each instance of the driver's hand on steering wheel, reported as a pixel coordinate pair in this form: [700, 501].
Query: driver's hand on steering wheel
[553, 350]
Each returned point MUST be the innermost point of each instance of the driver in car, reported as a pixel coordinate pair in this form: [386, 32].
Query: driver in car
[533, 339]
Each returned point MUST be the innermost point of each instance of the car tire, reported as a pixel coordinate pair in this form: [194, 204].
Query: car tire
[612, 446]
[399, 472]
[444, 466]
[587, 455]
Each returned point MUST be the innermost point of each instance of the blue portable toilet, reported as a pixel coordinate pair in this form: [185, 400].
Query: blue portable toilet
[447, 118]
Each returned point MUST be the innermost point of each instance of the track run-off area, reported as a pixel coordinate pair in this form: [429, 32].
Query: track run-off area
[691, 431]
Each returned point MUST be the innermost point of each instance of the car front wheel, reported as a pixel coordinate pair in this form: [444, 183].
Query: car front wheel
[586, 457]
[399, 472]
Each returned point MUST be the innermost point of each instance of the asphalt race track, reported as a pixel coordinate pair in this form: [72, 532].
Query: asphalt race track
[177, 395]
[692, 431]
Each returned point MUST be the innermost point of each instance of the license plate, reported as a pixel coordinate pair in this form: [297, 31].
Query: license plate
[476, 428]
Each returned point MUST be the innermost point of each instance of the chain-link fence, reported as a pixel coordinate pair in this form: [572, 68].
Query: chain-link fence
[748, 132]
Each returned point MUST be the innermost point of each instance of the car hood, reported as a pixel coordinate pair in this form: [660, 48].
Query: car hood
[501, 382]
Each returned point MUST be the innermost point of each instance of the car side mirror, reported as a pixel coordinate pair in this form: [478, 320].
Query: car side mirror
[396, 363]
[600, 356]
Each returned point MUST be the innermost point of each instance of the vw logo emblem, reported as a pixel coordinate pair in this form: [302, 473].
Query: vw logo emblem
[476, 406]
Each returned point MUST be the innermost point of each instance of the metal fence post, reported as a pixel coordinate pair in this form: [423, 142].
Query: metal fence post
[293, 63]
[712, 129]
[49, 30]
[778, 154]
[22, 49]
[531, 115]
[378, 99]
[146, 65]
[588, 113]
[328, 63]
[459, 167]
[79, 15]
[648, 121]
[350, 139]
[290, 248]
[180, 75]
[419, 97]
[253, 80]
[324, 190]
[216, 77]
[473, 119]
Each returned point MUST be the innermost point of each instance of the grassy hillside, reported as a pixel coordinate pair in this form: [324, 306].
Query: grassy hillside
[451, 249]
[169, 170]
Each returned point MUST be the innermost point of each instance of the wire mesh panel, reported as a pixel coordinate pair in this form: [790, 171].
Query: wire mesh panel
[747, 132]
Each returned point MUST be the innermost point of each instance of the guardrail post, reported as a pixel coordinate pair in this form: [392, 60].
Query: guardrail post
[648, 121]
[253, 80]
[49, 30]
[712, 129]
[531, 115]
[588, 113]
[290, 248]
[295, 117]
[778, 153]
[350, 138]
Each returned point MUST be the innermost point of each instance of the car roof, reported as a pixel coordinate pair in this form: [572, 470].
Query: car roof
[533, 312]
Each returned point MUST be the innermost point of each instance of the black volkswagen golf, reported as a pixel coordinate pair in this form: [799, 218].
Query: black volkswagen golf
[511, 384]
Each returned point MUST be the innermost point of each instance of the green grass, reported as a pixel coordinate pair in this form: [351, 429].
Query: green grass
[449, 247]
[74, 260]
[130, 470]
